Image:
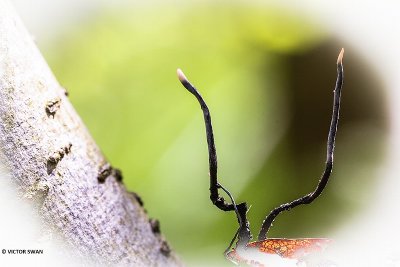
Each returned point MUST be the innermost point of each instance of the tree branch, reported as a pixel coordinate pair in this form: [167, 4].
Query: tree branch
[51, 156]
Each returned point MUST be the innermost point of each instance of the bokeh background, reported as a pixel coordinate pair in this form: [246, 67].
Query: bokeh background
[267, 71]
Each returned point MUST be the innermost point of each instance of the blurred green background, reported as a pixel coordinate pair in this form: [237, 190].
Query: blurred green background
[267, 75]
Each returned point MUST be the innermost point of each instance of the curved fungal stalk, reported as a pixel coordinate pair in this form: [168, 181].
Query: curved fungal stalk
[212, 152]
[309, 198]
[243, 233]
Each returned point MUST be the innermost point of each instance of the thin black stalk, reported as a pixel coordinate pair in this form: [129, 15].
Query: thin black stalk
[243, 233]
[212, 153]
[307, 199]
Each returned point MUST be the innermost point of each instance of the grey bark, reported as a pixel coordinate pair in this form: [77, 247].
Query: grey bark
[55, 163]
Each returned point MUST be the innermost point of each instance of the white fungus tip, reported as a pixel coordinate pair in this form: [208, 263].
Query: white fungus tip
[340, 57]
[181, 75]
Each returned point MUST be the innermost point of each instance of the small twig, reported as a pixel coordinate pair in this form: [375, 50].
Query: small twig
[307, 199]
